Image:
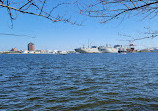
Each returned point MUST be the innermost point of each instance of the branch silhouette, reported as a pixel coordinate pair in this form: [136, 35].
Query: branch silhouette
[37, 8]
[108, 10]
[8, 34]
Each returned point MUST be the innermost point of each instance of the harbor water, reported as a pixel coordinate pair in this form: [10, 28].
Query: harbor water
[98, 82]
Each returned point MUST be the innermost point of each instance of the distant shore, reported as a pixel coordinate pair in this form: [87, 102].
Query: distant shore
[61, 53]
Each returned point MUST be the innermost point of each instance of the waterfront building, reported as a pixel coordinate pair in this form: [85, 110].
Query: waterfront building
[31, 47]
[14, 49]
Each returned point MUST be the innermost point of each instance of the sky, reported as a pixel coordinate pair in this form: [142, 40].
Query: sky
[65, 36]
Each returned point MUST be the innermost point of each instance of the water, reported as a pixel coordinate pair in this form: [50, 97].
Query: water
[79, 82]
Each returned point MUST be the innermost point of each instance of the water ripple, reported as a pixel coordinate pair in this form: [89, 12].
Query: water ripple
[79, 82]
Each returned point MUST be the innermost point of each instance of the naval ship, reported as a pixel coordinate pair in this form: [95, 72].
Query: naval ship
[93, 49]
[100, 49]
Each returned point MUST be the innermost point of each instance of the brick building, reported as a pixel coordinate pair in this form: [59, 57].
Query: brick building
[31, 47]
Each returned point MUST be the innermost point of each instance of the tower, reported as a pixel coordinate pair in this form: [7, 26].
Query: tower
[31, 47]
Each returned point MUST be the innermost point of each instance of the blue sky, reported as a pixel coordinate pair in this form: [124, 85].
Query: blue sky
[65, 36]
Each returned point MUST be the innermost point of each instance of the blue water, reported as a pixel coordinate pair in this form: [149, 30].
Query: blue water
[79, 82]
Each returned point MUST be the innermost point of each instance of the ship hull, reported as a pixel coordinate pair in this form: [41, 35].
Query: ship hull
[108, 50]
[87, 50]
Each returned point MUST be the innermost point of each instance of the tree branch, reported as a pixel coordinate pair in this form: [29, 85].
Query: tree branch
[29, 6]
[113, 9]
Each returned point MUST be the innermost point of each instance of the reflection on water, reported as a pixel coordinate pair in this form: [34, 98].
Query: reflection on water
[79, 82]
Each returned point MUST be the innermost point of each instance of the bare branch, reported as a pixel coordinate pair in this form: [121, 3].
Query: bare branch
[35, 7]
[25, 4]
[147, 35]
[7, 34]
[43, 6]
[113, 9]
